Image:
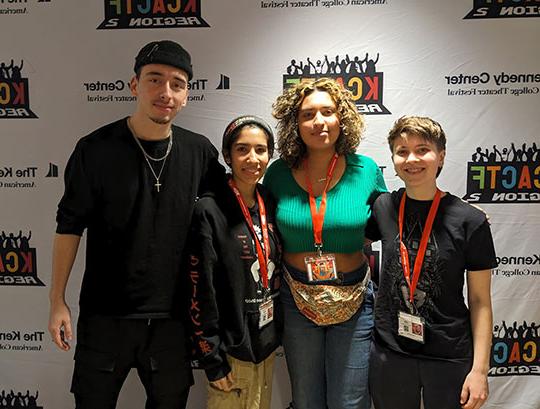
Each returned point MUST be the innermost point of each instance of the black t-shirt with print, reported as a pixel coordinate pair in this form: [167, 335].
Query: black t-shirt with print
[460, 241]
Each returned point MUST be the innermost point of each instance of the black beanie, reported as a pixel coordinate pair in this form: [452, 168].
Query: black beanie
[164, 52]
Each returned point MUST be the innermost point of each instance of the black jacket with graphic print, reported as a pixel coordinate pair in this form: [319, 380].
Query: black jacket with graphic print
[225, 286]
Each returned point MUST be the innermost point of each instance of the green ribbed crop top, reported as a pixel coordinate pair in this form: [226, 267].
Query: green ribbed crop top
[347, 211]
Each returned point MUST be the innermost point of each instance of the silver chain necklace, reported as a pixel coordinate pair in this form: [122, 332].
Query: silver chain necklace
[151, 158]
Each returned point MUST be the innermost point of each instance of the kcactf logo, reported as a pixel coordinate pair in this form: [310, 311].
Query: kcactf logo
[18, 260]
[121, 14]
[14, 95]
[515, 349]
[360, 76]
[507, 175]
[503, 9]
[14, 400]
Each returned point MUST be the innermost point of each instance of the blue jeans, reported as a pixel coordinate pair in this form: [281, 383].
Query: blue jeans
[328, 365]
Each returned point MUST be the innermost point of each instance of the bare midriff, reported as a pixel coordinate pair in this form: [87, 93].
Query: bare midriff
[345, 262]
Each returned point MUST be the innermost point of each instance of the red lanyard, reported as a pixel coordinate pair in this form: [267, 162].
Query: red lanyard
[423, 243]
[263, 255]
[317, 217]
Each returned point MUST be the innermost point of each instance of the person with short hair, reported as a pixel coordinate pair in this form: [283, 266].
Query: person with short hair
[429, 345]
[132, 185]
[235, 263]
[324, 192]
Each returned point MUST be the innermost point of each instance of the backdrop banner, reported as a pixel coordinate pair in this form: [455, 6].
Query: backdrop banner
[473, 65]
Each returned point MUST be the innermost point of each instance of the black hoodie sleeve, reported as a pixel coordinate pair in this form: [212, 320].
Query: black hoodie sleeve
[203, 310]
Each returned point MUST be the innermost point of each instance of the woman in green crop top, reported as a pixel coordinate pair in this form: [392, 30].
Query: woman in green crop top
[324, 192]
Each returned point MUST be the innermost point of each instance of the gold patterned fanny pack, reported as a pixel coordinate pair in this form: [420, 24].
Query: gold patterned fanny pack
[327, 304]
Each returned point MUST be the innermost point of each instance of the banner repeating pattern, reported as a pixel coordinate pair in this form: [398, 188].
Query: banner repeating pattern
[473, 65]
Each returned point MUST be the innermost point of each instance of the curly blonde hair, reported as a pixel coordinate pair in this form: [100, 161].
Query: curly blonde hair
[290, 145]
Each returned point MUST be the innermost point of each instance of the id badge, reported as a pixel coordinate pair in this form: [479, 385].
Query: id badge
[411, 326]
[266, 312]
[321, 268]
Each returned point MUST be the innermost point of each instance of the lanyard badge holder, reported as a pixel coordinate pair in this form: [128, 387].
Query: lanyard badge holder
[411, 325]
[321, 267]
[266, 307]
[266, 312]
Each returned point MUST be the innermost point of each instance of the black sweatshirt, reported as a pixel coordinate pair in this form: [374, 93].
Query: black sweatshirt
[136, 235]
[226, 287]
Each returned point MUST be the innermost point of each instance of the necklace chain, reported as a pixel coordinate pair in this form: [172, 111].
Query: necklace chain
[146, 155]
[149, 158]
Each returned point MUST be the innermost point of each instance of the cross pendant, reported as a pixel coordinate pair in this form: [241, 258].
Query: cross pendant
[157, 185]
